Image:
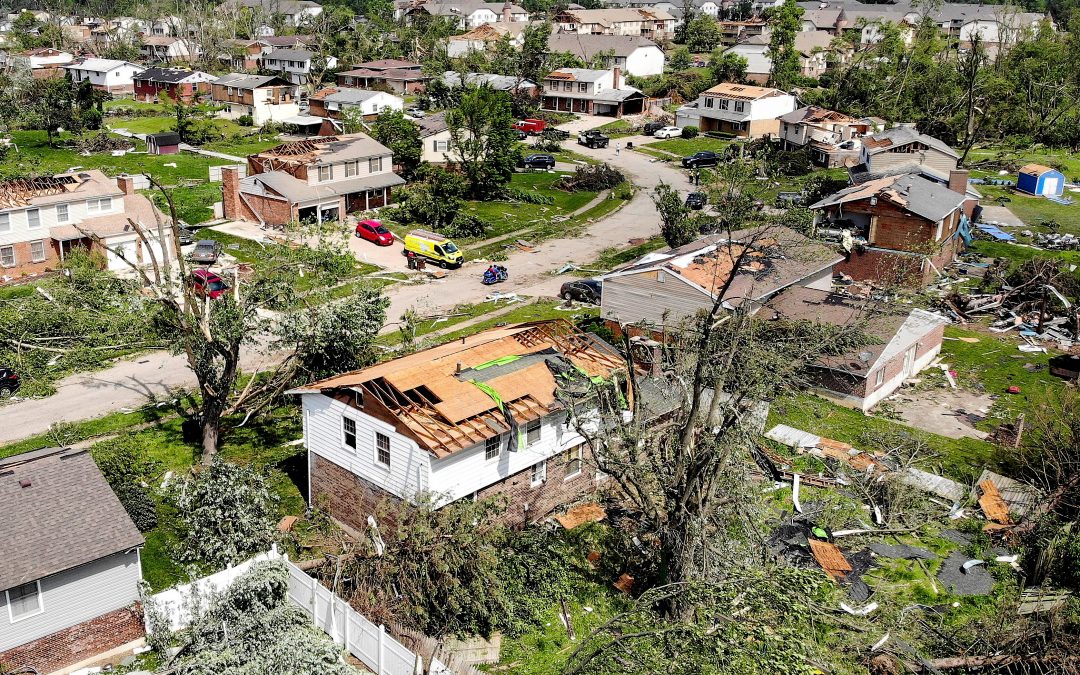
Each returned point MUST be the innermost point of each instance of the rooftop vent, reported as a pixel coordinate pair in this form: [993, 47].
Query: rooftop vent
[25, 483]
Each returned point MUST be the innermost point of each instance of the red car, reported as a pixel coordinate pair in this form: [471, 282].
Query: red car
[207, 283]
[373, 231]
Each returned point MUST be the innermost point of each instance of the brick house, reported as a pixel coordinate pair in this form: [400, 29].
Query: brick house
[903, 343]
[476, 417]
[69, 576]
[265, 98]
[592, 92]
[44, 218]
[180, 84]
[896, 229]
[315, 179]
[395, 75]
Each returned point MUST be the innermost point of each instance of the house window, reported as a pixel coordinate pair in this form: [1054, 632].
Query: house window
[382, 449]
[348, 431]
[375, 164]
[740, 106]
[532, 432]
[568, 86]
[582, 87]
[326, 173]
[573, 460]
[37, 250]
[491, 447]
[5, 222]
[539, 473]
[441, 146]
[879, 377]
[708, 102]
[7, 256]
[724, 104]
[228, 90]
[352, 169]
[61, 213]
[552, 86]
[25, 601]
[33, 218]
[103, 205]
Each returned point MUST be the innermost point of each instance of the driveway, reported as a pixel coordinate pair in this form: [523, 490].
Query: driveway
[584, 123]
[128, 384]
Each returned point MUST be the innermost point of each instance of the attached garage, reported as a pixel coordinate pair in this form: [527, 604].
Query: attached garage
[1036, 179]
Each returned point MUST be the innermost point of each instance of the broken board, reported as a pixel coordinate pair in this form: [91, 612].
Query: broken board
[830, 558]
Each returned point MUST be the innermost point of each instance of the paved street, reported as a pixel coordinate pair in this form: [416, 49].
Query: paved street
[129, 383]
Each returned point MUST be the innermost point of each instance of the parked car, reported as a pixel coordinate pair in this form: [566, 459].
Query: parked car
[651, 128]
[536, 161]
[668, 132]
[700, 159]
[375, 232]
[530, 126]
[415, 113]
[593, 139]
[208, 284]
[521, 135]
[433, 247]
[582, 290]
[553, 134]
[186, 236]
[206, 251]
[696, 200]
[9, 382]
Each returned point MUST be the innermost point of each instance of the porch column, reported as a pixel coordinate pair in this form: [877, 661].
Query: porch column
[366, 202]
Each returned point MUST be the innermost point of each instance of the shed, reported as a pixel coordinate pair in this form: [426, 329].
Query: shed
[1036, 179]
[164, 143]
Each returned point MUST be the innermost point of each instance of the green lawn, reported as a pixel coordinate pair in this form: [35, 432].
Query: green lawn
[537, 311]
[1063, 159]
[1034, 211]
[194, 203]
[617, 129]
[1019, 254]
[118, 105]
[681, 147]
[506, 217]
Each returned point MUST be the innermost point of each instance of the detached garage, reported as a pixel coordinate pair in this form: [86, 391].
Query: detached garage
[1036, 179]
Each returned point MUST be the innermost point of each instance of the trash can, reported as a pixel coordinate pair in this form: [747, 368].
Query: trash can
[629, 145]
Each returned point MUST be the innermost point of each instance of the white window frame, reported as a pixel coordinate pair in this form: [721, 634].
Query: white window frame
[5, 222]
[879, 377]
[580, 459]
[345, 433]
[740, 106]
[99, 205]
[329, 169]
[378, 461]
[14, 258]
[539, 474]
[723, 104]
[375, 164]
[40, 602]
[352, 169]
[63, 213]
[44, 255]
[490, 444]
[35, 222]
[709, 101]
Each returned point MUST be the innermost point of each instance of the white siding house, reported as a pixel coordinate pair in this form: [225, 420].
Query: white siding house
[105, 74]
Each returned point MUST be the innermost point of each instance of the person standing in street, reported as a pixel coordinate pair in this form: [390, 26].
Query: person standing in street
[618, 146]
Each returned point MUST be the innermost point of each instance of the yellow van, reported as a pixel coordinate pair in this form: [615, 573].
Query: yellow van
[434, 247]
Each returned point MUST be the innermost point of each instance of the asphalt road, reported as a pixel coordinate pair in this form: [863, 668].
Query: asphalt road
[129, 384]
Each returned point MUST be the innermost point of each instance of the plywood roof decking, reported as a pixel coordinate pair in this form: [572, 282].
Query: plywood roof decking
[830, 558]
[992, 503]
[742, 92]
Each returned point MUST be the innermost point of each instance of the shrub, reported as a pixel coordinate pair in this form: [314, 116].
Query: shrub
[527, 196]
[139, 505]
[591, 177]
[125, 467]
[245, 121]
[465, 226]
[689, 132]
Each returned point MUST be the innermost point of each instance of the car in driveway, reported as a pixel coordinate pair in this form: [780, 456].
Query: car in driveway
[375, 232]
[9, 382]
[415, 113]
[582, 290]
[538, 161]
[696, 201]
[700, 159]
[206, 252]
[651, 128]
[668, 132]
[186, 236]
[208, 284]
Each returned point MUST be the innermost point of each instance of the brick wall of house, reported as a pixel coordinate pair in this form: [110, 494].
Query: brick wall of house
[23, 263]
[273, 211]
[877, 265]
[343, 494]
[79, 642]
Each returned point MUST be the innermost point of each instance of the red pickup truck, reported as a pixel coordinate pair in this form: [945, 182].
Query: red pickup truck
[531, 126]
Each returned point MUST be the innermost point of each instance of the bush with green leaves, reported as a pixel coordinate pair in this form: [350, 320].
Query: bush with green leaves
[528, 196]
[689, 131]
[465, 226]
[127, 469]
[245, 120]
[227, 513]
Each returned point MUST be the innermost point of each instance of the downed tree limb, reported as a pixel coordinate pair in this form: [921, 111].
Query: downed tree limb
[1003, 660]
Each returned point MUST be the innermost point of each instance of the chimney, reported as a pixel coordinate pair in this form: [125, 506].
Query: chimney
[230, 193]
[958, 181]
[126, 184]
[616, 77]
[506, 12]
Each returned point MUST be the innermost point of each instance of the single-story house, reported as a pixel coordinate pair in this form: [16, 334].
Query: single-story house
[507, 83]
[70, 570]
[1036, 179]
[397, 75]
[179, 84]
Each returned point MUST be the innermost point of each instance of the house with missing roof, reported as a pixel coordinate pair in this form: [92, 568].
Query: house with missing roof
[507, 83]
[486, 36]
[108, 75]
[180, 84]
[814, 49]
[395, 75]
[900, 228]
[70, 571]
[315, 179]
[634, 55]
[469, 14]
[332, 103]
[834, 138]
[651, 23]
[43, 218]
[592, 92]
[295, 64]
[904, 146]
[266, 98]
[738, 109]
[166, 49]
[474, 418]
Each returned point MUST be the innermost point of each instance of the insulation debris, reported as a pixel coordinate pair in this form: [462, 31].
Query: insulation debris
[581, 514]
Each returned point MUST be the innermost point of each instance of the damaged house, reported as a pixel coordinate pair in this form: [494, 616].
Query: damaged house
[474, 418]
[901, 228]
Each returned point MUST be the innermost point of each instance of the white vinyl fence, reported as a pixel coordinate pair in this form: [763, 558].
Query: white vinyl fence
[215, 171]
[365, 640]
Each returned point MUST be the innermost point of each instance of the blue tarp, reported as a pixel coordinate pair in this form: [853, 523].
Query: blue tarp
[995, 232]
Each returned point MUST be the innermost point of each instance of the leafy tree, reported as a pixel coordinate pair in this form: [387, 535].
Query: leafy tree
[402, 137]
[484, 140]
[434, 199]
[675, 224]
[727, 67]
[49, 105]
[191, 121]
[785, 24]
[679, 59]
[703, 34]
[533, 56]
[127, 468]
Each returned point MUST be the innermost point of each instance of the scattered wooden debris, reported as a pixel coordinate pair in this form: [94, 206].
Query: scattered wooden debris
[625, 583]
[581, 514]
[993, 506]
[287, 523]
[1037, 600]
[830, 558]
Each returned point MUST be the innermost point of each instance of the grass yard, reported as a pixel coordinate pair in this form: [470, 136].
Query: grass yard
[1020, 254]
[118, 105]
[617, 129]
[194, 203]
[538, 311]
[507, 217]
[1063, 160]
[1034, 211]
[681, 147]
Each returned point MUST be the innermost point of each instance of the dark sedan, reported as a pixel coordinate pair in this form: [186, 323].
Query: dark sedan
[583, 290]
[696, 201]
[534, 161]
[700, 159]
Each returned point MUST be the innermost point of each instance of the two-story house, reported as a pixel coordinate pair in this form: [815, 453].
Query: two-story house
[904, 146]
[179, 84]
[474, 418]
[435, 138]
[42, 58]
[290, 12]
[896, 229]
[592, 92]
[485, 37]
[166, 49]
[265, 98]
[833, 138]
[634, 55]
[397, 75]
[294, 65]
[333, 103]
[469, 14]
[43, 218]
[739, 110]
[654, 24]
[108, 75]
[245, 55]
[70, 570]
[316, 179]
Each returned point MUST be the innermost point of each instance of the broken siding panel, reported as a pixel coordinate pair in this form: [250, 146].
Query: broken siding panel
[644, 297]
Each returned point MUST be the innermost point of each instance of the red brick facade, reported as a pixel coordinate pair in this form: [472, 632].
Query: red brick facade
[24, 263]
[79, 642]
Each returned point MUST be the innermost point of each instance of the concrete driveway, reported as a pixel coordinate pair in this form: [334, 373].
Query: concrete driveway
[584, 123]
